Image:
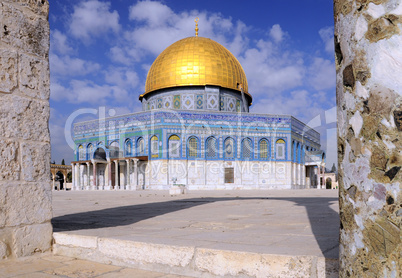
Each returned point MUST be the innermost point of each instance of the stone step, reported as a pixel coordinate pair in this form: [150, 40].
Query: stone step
[190, 260]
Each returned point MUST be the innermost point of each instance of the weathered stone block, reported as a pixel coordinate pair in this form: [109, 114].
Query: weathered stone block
[349, 77]
[8, 71]
[25, 204]
[10, 168]
[32, 239]
[398, 119]
[383, 237]
[381, 101]
[88, 242]
[34, 77]
[35, 161]
[25, 31]
[24, 118]
[40, 7]
[3, 250]
[383, 28]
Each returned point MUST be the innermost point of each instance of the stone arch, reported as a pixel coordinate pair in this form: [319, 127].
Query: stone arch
[100, 153]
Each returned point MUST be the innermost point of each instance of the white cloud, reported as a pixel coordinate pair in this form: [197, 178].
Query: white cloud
[270, 70]
[93, 18]
[59, 43]
[122, 77]
[157, 27]
[299, 103]
[155, 14]
[67, 66]
[322, 74]
[276, 33]
[327, 36]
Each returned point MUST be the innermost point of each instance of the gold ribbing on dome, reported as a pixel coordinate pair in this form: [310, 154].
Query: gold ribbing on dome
[196, 26]
[196, 61]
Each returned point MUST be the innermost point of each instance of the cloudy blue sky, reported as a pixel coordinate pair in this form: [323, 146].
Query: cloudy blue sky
[101, 51]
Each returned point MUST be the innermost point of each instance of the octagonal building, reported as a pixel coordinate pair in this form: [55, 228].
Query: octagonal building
[196, 131]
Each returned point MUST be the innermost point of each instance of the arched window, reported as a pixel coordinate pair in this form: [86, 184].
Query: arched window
[154, 146]
[174, 146]
[192, 148]
[140, 146]
[90, 151]
[280, 149]
[230, 148]
[128, 147]
[100, 154]
[81, 153]
[247, 149]
[294, 151]
[211, 148]
[264, 149]
[114, 149]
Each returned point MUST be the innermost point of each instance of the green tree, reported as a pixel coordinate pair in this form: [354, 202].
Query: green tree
[62, 162]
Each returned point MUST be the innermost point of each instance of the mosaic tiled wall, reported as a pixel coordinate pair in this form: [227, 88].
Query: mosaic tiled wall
[208, 99]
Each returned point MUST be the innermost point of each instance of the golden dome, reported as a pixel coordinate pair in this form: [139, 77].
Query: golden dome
[195, 61]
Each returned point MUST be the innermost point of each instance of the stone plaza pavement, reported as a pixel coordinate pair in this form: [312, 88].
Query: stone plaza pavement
[276, 233]
[52, 266]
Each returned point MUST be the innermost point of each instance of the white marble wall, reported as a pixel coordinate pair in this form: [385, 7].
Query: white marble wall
[201, 174]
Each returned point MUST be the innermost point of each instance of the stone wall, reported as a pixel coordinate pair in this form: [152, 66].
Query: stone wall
[368, 45]
[25, 189]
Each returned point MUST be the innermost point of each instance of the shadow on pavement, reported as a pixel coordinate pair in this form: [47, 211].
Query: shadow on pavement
[320, 214]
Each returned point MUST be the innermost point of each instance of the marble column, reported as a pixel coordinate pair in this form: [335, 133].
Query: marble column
[109, 175]
[323, 177]
[74, 187]
[368, 51]
[53, 179]
[116, 175]
[94, 177]
[88, 181]
[77, 169]
[134, 184]
[127, 185]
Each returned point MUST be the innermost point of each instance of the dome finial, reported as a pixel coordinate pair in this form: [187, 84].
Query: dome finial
[196, 26]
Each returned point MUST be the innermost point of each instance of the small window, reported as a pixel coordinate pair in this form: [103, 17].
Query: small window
[81, 153]
[211, 148]
[140, 146]
[280, 149]
[154, 146]
[192, 147]
[263, 149]
[128, 147]
[90, 151]
[174, 146]
[229, 148]
[247, 146]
